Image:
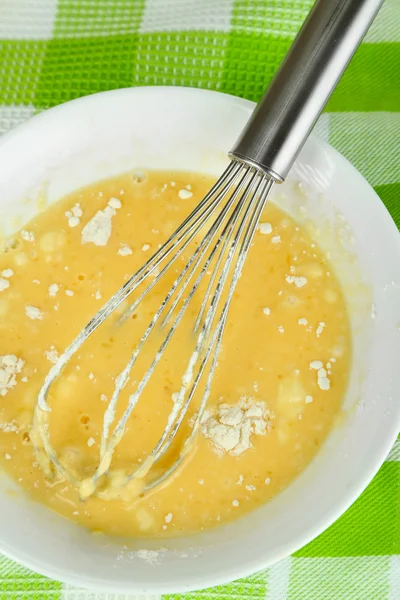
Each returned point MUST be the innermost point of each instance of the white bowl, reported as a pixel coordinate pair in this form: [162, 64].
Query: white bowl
[172, 128]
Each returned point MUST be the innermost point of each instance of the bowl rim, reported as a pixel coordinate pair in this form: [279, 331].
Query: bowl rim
[247, 568]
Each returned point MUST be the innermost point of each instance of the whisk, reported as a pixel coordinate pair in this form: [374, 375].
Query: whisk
[229, 214]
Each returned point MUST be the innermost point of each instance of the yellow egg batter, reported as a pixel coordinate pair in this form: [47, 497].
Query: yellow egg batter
[279, 385]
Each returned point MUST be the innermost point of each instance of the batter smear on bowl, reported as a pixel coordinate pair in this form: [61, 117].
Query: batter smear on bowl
[278, 389]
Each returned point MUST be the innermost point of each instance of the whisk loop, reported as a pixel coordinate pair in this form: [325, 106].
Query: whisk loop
[229, 213]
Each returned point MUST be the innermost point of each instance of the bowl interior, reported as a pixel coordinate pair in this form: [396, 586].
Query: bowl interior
[167, 128]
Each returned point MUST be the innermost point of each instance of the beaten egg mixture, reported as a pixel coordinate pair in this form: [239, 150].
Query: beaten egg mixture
[278, 389]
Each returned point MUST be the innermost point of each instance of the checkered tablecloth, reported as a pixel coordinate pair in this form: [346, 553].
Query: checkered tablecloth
[54, 50]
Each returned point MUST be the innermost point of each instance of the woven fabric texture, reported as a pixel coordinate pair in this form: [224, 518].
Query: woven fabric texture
[54, 50]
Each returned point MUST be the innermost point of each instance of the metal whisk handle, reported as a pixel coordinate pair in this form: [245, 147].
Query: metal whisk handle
[303, 84]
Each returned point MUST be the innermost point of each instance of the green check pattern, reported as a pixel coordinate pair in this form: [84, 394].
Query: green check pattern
[52, 51]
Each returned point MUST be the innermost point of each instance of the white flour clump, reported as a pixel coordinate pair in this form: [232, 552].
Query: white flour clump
[299, 282]
[10, 366]
[28, 236]
[185, 194]
[231, 427]
[9, 427]
[5, 275]
[98, 230]
[4, 284]
[74, 215]
[52, 355]
[150, 556]
[53, 289]
[34, 313]
[265, 228]
[124, 250]
[323, 381]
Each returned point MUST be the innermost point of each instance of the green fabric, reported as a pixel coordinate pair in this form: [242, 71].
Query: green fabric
[54, 50]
